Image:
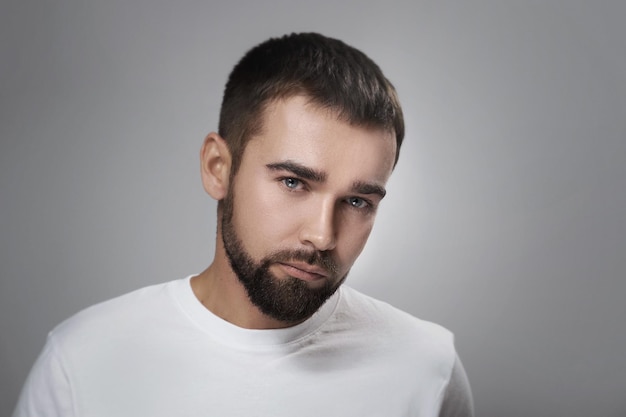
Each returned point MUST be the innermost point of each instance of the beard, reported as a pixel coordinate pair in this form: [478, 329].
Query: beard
[289, 299]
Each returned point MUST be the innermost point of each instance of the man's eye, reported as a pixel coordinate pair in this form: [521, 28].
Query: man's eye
[357, 202]
[291, 183]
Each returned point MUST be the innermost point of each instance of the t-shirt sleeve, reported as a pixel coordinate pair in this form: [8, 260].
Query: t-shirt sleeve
[47, 391]
[457, 399]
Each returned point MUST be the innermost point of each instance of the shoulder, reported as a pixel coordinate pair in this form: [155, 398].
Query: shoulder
[416, 356]
[118, 315]
[388, 324]
[366, 309]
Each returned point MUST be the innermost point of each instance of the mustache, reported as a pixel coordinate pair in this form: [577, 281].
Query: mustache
[313, 258]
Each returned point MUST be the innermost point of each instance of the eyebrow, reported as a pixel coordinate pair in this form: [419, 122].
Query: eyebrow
[304, 172]
[369, 188]
[299, 170]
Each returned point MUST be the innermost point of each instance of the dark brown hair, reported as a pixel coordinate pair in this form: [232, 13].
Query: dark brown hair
[330, 73]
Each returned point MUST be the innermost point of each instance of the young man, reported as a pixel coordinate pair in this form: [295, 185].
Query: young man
[310, 131]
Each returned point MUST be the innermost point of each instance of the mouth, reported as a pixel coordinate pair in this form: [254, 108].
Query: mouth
[304, 271]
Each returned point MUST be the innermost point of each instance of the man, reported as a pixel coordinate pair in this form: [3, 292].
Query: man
[310, 131]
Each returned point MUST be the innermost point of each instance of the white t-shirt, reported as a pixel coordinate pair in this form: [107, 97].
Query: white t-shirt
[159, 352]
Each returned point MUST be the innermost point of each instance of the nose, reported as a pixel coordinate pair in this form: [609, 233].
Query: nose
[318, 229]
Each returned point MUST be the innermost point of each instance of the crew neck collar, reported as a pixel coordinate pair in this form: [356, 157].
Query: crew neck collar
[242, 338]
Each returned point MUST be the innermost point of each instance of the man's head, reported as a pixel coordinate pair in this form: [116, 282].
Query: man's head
[328, 72]
[310, 131]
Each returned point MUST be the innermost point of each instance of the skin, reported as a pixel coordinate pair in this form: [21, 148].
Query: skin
[308, 182]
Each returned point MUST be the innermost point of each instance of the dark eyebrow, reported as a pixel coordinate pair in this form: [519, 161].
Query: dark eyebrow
[368, 188]
[299, 170]
[311, 174]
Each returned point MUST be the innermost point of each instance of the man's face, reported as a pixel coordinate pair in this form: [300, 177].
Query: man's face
[302, 206]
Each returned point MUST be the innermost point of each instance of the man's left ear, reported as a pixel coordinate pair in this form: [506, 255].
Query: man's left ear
[215, 163]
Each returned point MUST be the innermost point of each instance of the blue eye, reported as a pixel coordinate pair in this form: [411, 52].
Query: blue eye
[357, 202]
[291, 183]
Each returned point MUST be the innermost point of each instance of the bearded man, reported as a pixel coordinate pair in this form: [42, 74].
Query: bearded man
[309, 133]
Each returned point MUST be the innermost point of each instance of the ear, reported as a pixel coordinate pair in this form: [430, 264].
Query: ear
[215, 163]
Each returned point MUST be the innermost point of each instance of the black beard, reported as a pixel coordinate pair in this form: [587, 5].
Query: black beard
[288, 300]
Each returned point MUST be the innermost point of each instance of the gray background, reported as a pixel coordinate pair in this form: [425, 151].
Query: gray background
[505, 219]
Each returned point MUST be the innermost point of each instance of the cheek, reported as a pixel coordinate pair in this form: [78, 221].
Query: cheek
[352, 239]
[261, 221]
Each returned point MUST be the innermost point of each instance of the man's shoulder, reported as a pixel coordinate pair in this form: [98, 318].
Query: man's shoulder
[408, 347]
[381, 312]
[117, 315]
[389, 322]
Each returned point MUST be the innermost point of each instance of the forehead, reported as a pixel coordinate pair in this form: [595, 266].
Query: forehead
[297, 130]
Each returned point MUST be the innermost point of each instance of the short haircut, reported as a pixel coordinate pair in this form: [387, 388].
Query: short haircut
[328, 72]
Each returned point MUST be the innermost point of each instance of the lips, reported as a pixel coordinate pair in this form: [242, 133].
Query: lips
[304, 271]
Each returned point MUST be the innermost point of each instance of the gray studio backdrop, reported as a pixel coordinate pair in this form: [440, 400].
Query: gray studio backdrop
[506, 216]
